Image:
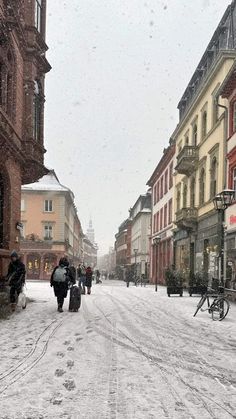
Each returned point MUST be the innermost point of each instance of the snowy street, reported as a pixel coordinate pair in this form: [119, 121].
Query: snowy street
[128, 354]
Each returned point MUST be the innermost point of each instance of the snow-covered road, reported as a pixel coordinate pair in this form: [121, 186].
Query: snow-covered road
[128, 354]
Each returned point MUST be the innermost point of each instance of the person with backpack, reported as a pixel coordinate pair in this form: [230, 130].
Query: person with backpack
[89, 277]
[15, 278]
[60, 280]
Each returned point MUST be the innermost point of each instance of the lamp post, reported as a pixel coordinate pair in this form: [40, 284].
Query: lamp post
[221, 202]
[135, 261]
[156, 242]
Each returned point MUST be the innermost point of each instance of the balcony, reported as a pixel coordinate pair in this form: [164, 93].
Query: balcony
[186, 218]
[187, 160]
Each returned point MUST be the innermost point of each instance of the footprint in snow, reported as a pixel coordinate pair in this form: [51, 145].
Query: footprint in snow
[79, 339]
[59, 372]
[70, 348]
[70, 364]
[60, 354]
[69, 385]
[67, 342]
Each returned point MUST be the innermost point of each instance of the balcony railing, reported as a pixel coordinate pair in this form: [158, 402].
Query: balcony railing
[186, 218]
[187, 160]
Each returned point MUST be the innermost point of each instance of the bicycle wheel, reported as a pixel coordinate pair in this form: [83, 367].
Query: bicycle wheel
[200, 304]
[219, 309]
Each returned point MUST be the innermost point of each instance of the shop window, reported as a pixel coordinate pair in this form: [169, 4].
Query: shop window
[185, 193]
[213, 177]
[192, 193]
[202, 187]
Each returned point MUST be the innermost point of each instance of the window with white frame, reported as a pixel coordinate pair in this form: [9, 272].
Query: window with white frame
[48, 207]
[48, 231]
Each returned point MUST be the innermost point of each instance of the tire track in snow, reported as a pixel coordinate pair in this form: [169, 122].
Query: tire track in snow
[11, 376]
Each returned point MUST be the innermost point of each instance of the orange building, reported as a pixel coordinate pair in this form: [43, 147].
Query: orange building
[50, 226]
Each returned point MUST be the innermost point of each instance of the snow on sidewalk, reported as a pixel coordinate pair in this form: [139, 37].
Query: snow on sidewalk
[129, 353]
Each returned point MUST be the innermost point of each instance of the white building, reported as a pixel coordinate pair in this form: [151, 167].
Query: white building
[140, 215]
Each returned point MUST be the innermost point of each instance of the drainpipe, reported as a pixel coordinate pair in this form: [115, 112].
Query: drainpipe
[225, 143]
[223, 227]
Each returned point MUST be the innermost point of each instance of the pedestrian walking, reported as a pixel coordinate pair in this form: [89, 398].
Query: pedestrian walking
[15, 278]
[89, 276]
[82, 278]
[60, 280]
[98, 276]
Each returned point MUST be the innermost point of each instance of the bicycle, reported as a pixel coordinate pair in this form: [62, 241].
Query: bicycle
[219, 308]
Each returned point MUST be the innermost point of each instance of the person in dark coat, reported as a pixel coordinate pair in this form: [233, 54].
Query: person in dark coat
[60, 280]
[15, 277]
[89, 277]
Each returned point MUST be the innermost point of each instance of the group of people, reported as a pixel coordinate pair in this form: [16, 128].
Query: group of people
[63, 276]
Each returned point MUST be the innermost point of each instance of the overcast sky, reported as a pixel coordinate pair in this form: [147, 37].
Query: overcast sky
[119, 68]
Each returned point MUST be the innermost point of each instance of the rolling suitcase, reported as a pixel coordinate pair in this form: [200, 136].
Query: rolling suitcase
[75, 298]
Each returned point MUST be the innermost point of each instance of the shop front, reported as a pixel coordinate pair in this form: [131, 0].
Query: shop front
[230, 220]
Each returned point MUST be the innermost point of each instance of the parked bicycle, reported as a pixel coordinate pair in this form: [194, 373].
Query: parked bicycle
[218, 308]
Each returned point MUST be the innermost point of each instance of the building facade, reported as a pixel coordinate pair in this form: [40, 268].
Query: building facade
[23, 66]
[90, 253]
[140, 215]
[201, 148]
[161, 243]
[51, 228]
[122, 249]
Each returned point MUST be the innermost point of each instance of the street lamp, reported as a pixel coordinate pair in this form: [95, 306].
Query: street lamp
[135, 261]
[156, 242]
[221, 202]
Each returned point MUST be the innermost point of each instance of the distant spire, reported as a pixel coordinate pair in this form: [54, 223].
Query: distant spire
[90, 232]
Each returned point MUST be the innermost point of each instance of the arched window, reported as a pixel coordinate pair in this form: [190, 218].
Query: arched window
[202, 187]
[204, 124]
[185, 193]
[192, 193]
[213, 177]
[6, 79]
[195, 134]
[37, 107]
[178, 199]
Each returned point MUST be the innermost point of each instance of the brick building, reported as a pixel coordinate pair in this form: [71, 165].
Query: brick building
[161, 183]
[22, 70]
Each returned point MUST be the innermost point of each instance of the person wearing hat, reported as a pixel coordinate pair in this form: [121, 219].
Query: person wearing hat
[15, 277]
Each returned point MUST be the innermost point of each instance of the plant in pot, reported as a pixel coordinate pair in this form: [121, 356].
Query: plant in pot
[174, 282]
[197, 283]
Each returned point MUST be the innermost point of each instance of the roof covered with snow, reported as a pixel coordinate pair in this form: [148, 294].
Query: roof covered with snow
[49, 182]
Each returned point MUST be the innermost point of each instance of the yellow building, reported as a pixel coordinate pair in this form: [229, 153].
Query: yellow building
[50, 226]
[200, 166]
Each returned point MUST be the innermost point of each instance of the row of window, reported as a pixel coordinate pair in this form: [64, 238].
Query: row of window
[194, 137]
[48, 205]
[163, 185]
[47, 231]
[162, 218]
[202, 188]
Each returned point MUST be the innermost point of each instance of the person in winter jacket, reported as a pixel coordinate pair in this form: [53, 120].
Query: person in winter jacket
[15, 278]
[82, 278]
[88, 282]
[60, 280]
